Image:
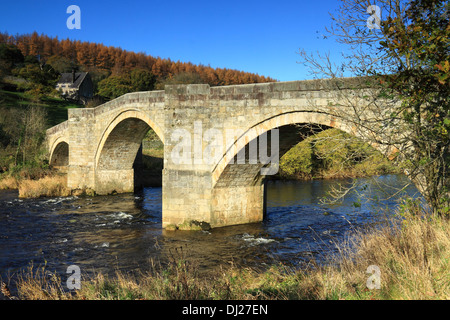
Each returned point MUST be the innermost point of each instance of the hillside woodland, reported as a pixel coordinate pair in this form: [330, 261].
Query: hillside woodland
[114, 71]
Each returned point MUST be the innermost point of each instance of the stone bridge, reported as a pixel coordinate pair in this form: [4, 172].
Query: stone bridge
[205, 131]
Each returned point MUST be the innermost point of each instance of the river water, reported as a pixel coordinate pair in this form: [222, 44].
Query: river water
[106, 233]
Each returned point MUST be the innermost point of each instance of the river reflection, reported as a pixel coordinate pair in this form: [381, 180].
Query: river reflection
[107, 233]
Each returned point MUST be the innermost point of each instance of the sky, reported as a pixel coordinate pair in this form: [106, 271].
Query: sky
[261, 37]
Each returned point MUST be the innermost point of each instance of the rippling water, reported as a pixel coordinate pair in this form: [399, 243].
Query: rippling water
[106, 233]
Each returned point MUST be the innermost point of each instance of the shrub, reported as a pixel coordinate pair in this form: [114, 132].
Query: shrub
[333, 153]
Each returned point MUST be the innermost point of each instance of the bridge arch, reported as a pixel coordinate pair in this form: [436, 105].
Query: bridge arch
[116, 154]
[238, 189]
[278, 121]
[123, 116]
[59, 153]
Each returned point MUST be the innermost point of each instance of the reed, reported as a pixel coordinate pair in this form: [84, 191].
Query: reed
[49, 186]
[37, 283]
[413, 259]
[9, 182]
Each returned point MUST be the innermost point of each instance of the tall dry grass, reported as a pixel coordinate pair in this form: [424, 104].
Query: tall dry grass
[9, 183]
[40, 284]
[43, 185]
[413, 259]
[49, 186]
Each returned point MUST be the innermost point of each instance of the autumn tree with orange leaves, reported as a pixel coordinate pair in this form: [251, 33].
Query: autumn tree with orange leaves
[103, 61]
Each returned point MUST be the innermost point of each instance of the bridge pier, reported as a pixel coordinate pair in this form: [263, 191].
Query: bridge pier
[80, 177]
[109, 181]
[237, 205]
[80, 136]
[189, 195]
[186, 196]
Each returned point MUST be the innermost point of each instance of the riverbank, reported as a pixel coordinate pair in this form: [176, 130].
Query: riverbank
[50, 185]
[334, 154]
[412, 260]
[55, 184]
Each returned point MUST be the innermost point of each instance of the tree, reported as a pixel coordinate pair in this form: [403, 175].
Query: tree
[117, 61]
[114, 86]
[421, 78]
[36, 46]
[117, 85]
[34, 124]
[41, 78]
[83, 54]
[61, 64]
[186, 78]
[23, 131]
[44, 75]
[103, 58]
[47, 47]
[10, 57]
[142, 80]
[404, 59]
[68, 49]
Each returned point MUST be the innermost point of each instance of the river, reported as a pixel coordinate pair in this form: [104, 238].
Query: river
[106, 233]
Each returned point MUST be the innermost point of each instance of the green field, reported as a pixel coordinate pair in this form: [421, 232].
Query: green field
[56, 107]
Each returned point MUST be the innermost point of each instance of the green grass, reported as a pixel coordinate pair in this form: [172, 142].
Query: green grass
[333, 154]
[56, 107]
[153, 153]
[14, 105]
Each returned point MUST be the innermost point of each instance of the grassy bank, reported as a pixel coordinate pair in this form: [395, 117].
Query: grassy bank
[23, 155]
[55, 107]
[413, 259]
[50, 185]
[333, 154]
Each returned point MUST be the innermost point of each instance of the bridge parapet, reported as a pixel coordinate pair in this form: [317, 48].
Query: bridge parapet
[300, 85]
[135, 98]
[58, 128]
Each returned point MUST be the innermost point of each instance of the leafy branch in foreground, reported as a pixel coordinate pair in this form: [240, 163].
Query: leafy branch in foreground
[402, 100]
[422, 81]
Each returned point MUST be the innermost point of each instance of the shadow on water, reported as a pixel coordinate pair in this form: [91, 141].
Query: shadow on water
[106, 233]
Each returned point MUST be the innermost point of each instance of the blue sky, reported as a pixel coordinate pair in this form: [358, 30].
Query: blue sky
[254, 36]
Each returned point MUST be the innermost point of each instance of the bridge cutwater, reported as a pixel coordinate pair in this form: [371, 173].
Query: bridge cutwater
[98, 146]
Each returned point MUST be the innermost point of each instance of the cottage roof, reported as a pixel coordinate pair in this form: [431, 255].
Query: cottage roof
[66, 78]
